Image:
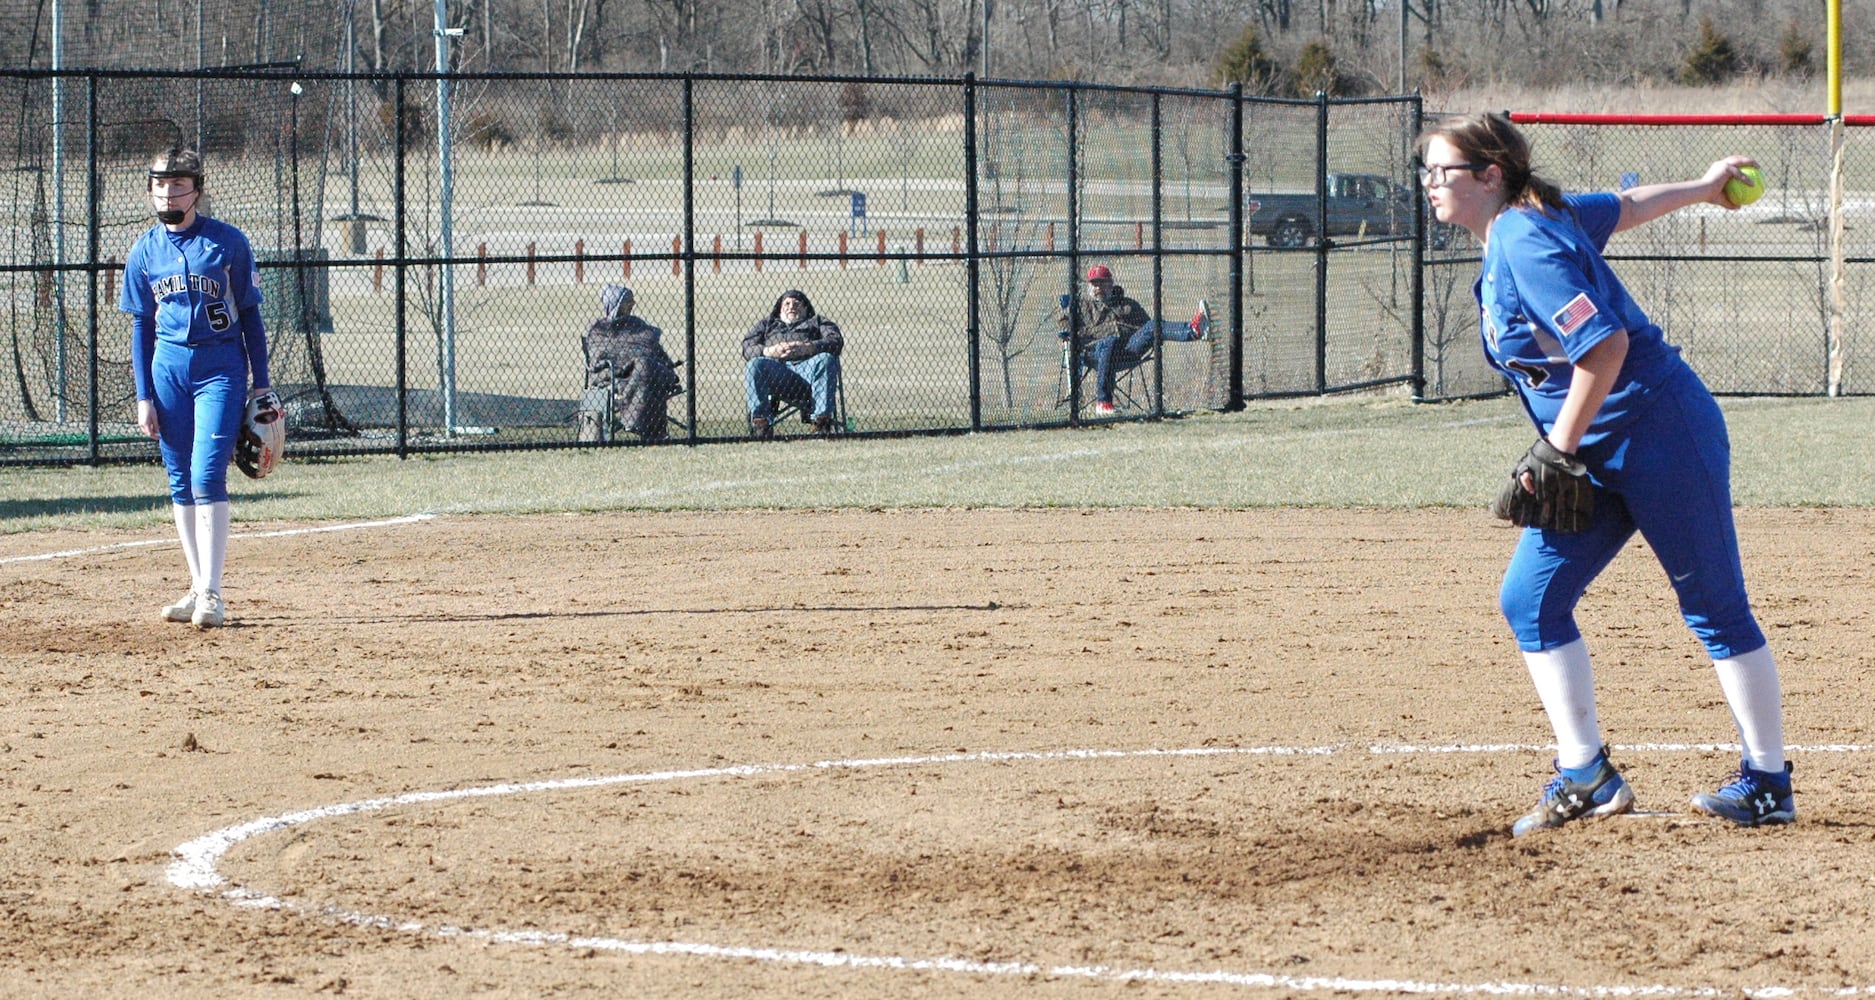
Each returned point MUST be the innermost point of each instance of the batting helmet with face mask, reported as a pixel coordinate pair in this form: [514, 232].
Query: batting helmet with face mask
[177, 162]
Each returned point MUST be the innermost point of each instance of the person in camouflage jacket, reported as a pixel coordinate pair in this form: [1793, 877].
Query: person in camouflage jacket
[626, 353]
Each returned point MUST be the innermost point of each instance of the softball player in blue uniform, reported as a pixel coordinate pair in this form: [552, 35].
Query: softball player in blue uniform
[193, 295]
[1606, 390]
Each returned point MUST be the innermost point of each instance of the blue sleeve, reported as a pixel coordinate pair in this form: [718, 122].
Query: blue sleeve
[1549, 263]
[142, 349]
[243, 273]
[135, 297]
[254, 338]
[244, 277]
[1597, 214]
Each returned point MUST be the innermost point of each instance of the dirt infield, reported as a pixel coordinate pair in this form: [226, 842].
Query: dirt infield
[1307, 734]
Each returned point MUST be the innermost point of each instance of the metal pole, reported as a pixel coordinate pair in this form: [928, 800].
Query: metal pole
[94, 212]
[351, 107]
[58, 209]
[1158, 261]
[401, 278]
[972, 264]
[1418, 322]
[1838, 306]
[690, 243]
[1237, 239]
[1074, 268]
[986, 39]
[1321, 241]
[1838, 303]
[201, 85]
[446, 174]
[1405, 6]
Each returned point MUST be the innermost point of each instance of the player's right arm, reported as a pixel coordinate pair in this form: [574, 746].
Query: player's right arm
[1651, 201]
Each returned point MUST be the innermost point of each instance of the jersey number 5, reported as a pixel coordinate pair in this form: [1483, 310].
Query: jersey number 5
[218, 316]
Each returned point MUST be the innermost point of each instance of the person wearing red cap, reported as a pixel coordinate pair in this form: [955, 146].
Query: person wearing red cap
[1117, 332]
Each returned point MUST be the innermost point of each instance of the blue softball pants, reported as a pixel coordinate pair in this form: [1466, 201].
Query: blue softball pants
[200, 399]
[1668, 476]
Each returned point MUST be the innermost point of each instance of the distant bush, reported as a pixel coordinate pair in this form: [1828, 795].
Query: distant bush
[1317, 71]
[1712, 60]
[1795, 53]
[1246, 61]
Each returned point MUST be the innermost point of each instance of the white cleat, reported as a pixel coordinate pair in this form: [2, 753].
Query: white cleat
[181, 611]
[209, 611]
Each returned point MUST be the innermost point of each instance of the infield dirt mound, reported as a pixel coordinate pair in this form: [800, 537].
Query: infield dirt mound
[466, 651]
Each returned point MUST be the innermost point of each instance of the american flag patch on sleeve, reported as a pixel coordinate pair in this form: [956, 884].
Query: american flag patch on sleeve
[1570, 318]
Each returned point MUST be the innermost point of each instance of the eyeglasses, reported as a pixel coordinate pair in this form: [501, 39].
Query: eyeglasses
[1440, 174]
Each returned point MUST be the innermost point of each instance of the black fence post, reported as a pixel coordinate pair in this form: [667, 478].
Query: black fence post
[1417, 328]
[401, 280]
[1321, 241]
[690, 244]
[972, 263]
[94, 211]
[1238, 237]
[1158, 261]
[1073, 360]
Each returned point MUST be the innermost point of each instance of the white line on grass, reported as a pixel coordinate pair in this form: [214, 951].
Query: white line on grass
[196, 867]
[281, 533]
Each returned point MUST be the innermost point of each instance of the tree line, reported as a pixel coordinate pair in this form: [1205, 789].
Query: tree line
[1284, 47]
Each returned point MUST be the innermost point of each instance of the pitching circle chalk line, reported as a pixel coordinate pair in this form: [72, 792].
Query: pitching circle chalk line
[196, 863]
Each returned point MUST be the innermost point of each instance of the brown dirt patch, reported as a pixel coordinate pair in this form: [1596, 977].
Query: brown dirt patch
[471, 651]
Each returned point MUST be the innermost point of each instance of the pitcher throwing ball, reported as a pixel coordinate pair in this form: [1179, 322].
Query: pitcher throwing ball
[1629, 439]
[193, 296]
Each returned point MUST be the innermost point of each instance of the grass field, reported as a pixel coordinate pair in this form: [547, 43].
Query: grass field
[1787, 452]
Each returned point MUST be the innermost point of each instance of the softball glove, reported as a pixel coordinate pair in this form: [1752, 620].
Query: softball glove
[263, 436]
[1548, 489]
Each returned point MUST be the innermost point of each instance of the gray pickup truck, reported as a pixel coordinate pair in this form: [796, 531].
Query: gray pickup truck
[1358, 204]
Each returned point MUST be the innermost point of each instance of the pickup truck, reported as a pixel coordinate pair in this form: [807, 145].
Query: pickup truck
[1357, 203]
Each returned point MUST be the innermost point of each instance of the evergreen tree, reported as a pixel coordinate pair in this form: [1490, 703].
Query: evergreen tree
[1246, 61]
[1712, 60]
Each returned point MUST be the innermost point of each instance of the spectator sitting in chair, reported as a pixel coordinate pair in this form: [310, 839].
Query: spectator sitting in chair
[793, 354]
[624, 353]
[1117, 333]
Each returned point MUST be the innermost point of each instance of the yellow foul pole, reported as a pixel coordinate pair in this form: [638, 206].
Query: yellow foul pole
[1838, 304]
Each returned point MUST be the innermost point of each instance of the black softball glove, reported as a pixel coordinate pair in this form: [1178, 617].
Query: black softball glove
[1548, 489]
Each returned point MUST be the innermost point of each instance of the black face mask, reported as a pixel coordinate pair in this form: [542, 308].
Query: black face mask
[174, 216]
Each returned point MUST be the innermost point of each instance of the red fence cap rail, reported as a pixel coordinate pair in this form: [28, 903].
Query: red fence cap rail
[1565, 118]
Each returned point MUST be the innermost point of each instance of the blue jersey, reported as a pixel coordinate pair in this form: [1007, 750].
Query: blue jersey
[202, 289]
[1547, 297]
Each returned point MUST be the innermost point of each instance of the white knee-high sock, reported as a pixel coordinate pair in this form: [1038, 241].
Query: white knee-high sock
[1751, 688]
[1566, 686]
[211, 532]
[185, 530]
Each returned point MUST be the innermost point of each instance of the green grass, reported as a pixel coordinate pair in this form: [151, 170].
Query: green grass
[1337, 453]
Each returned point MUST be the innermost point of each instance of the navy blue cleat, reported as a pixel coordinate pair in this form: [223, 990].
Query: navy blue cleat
[1596, 790]
[1751, 797]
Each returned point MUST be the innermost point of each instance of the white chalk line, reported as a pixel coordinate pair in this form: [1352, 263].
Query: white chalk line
[281, 533]
[196, 864]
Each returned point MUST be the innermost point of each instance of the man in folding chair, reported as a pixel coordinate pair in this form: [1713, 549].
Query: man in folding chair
[1117, 334]
[793, 356]
[629, 377]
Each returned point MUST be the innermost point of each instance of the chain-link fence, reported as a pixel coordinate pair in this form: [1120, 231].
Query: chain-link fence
[433, 248]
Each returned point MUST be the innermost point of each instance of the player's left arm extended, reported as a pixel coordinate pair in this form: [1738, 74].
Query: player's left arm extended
[1594, 376]
[1651, 201]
